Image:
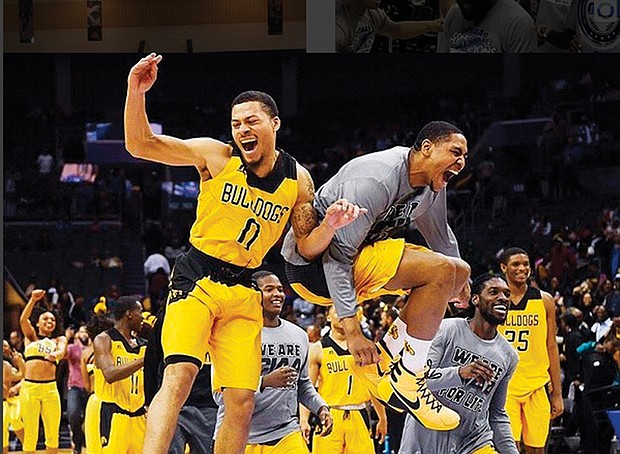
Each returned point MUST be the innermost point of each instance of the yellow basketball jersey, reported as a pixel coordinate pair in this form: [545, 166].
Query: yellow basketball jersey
[239, 216]
[127, 393]
[337, 384]
[526, 330]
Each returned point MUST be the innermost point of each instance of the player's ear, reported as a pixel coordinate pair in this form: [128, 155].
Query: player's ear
[426, 147]
[276, 123]
[475, 300]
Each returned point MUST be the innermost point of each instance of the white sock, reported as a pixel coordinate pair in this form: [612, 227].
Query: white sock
[414, 359]
[394, 339]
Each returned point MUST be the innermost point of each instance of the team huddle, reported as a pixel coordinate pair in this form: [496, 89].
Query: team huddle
[484, 383]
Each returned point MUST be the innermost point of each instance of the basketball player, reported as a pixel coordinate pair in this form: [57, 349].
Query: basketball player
[119, 380]
[39, 396]
[248, 191]
[284, 384]
[471, 367]
[92, 437]
[397, 186]
[531, 329]
[330, 367]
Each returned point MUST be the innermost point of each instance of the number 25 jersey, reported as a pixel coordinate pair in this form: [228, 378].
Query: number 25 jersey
[525, 329]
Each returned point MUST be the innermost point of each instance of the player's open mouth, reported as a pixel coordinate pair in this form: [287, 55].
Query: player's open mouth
[501, 309]
[278, 303]
[447, 175]
[249, 145]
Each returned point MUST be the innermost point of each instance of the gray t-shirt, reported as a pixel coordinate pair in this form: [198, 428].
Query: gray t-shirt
[276, 409]
[481, 407]
[507, 27]
[356, 33]
[378, 182]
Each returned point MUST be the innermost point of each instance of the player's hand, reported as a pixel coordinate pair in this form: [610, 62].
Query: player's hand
[364, 351]
[13, 391]
[37, 294]
[342, 213]
[144, 73]
[305, 430]
[478, 370]
[437, 26]
[326, 422]
[283, 377]
[557, 404]
[381, 430]
[461, 301]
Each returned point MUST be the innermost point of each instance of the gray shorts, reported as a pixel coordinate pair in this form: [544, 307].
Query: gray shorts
[195, 428]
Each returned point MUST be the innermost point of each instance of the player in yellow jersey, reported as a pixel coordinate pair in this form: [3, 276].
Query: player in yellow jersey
[119, 380]
[531, 328]
[248, 191]
[330, 366]
[39, 394]
[97, 325]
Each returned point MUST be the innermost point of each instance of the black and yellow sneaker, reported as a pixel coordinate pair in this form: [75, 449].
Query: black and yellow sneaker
[404, 390]
[371, 375]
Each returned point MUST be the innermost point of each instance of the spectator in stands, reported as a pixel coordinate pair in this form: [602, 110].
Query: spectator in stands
[76, 394]
[16, 339]
[603, 323]
[612, 300]
[157, 288]
[155, 261]
[561, 261]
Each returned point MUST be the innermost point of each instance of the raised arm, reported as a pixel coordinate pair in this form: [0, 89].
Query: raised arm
[104, 361]
[142, 142]
[30, 334]
[313, 237]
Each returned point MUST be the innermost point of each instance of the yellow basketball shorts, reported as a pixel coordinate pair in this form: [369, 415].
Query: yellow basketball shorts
[350, 435]
[375, 265]
[91, 425]
[293, 443]
[208, 312]
[530, 417]
[121, 431]
[40, 398]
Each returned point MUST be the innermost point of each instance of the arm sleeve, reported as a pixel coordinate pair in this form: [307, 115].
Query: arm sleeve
[338, 259]
[433, 225]
[498, 418]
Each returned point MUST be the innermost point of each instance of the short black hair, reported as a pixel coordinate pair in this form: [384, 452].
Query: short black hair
[258, 275]
[122, 305]
[269, 105]
[436, 132]
[478, 283]
[505, 256]
[98, 324]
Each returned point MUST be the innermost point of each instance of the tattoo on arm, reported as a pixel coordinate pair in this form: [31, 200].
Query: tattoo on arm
[303, 220]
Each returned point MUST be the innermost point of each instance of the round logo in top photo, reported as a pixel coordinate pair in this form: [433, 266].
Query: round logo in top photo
[599, 23]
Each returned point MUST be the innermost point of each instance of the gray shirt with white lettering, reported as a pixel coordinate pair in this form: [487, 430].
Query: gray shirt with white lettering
[379, 182]
[276, 409]
[481, 407]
